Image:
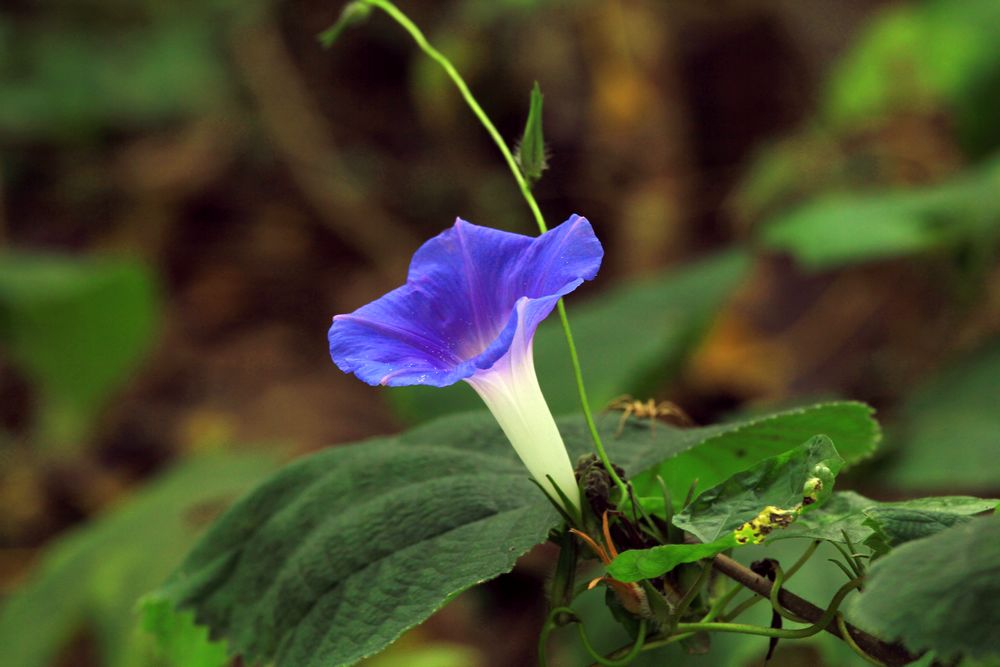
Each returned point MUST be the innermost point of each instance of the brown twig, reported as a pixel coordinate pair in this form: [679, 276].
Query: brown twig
[890, 654]
[300, 136]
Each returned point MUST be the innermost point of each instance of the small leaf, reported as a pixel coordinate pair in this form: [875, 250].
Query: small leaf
[638, 564]
[530, 153]
[899, 522]
[770, 495]
[941, 593]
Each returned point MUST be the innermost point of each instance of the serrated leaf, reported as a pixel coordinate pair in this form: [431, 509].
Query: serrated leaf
[530, 154]
[339, 553]
[723, 517]
[773, 487]
[729, 448]
[941, 593]
[901, 521]
[658, 321]
[77, 328]
[311, 568]
[947, 430]
[94, 576]
[181, 642]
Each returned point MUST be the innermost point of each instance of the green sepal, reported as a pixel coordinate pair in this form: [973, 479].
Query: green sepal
[530, 153]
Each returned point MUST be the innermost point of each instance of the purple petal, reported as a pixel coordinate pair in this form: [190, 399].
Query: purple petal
[456, 313]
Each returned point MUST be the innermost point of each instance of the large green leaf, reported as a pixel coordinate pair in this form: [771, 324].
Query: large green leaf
[77, 327]
[657, 321]
[941, 593]
[95, 576]
[788, 483]
[313, 566]
[334, 557]
[729, 448]
[897, 522]
[846, 228]
[948, 432]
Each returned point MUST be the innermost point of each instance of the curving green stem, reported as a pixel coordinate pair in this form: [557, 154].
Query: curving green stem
[633, 653]
[551, 623]
[779, 581]
[754, 599]
[743, 628]
[418, 36]
[845, 632]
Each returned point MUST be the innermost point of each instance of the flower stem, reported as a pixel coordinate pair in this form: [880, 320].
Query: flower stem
[418, 36]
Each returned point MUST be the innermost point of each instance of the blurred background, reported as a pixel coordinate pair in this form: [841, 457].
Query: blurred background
[799, 200]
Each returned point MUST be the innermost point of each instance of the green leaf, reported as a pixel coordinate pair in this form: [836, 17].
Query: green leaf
[782, 486]
[77, 327]
[898, 522]
[775, 487]
[95, 576]
[638, 564]
[311, 567]
[181, 642]
[714, 453]
[941, 593]
[946, 434]
[530, 153]
[335, 556]
[845, 228]
[657, 323]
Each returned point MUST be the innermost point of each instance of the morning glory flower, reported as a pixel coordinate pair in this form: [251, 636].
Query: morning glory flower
[472, 301]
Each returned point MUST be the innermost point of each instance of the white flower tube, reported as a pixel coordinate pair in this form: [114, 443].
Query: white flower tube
[510, 390]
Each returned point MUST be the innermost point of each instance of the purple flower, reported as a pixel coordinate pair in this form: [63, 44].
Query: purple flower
[469, 309]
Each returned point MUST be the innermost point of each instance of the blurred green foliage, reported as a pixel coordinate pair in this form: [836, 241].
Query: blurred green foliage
[77, 328]
[92, 578]
[935, 53]
[59, 83]
[947, 433]
[840, 229]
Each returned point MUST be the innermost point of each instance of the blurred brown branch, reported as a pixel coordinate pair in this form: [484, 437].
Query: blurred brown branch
[300, 135]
